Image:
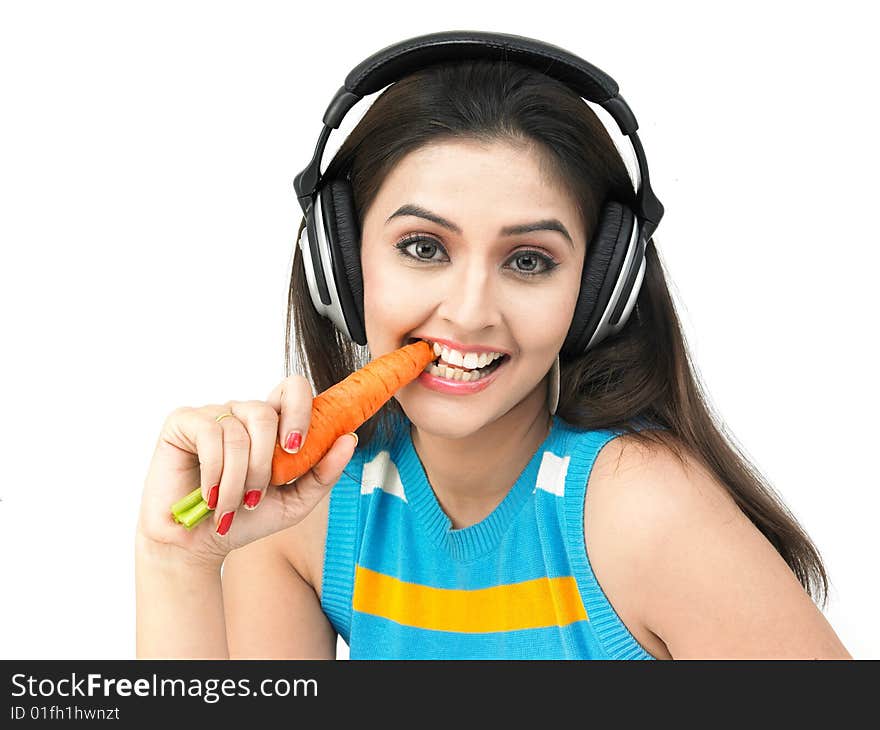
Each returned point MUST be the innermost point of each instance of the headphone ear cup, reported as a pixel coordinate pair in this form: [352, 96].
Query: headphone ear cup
[344, 237]
[602, 265]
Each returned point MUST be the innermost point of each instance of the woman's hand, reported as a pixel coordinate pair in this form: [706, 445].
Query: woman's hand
[232, 462]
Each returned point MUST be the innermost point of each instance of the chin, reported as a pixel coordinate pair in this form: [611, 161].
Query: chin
[461, 433]
[442, 422]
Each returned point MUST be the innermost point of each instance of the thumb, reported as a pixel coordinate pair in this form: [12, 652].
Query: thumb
[312, 486]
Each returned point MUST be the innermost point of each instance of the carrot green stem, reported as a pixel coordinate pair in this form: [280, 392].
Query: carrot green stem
[190, 510]
[190, 500]
[194, 515]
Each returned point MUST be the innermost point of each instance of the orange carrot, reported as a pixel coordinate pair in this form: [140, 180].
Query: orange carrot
[340, 409]
[343, 407]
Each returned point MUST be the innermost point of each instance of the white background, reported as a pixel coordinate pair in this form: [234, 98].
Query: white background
[148, 219]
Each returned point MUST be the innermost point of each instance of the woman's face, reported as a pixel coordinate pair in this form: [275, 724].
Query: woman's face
[471, 282]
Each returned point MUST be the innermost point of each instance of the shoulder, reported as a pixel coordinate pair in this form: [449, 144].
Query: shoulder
[631, 492]
[653, 487]
[689, 565]
[640, 496]
[303, 544]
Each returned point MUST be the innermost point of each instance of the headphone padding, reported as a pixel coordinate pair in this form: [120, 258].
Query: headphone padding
[602, 264]
[344, 237]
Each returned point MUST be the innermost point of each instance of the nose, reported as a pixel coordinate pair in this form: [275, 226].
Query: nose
[471, 298]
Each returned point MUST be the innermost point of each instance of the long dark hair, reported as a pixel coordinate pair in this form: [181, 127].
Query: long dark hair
[643, 372]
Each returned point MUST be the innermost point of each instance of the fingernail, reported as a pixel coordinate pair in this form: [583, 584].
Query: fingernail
[212, 496]
[292, 444]
[225, 522]
[352, 433]
[251, 498]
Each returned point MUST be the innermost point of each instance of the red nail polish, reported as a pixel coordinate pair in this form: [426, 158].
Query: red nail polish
[225, 522]
[252, 497]
[294, 439]
[212, 496]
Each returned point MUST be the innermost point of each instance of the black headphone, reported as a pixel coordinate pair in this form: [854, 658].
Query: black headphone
[614, 265]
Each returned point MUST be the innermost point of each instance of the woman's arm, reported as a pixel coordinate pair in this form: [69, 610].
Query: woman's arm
[704, 578]
[272, 612]
[179, 606]
[258, 607]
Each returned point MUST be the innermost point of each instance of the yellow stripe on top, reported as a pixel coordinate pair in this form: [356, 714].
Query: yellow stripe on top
[526, 605]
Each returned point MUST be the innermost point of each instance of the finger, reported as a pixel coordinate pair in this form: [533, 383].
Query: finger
[236, 451]
[292, 400]
[261, 422]
[194, 430]
[312, 486]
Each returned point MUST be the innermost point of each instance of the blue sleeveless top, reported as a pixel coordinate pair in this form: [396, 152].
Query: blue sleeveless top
[400, 583]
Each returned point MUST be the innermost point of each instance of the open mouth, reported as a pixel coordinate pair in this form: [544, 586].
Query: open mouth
[456, 372]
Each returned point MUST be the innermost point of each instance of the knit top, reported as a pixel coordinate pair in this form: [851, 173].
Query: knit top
[400, 583]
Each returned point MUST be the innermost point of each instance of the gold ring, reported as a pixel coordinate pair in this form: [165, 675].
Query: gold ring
[222, 416]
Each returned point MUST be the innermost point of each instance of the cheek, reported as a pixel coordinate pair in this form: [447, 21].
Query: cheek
[385, 292]
[540, 323]
[542, 314]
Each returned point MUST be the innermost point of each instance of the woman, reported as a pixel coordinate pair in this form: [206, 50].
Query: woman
[479, 519]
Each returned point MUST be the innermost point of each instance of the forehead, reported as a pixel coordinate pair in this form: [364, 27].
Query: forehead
[463, 179]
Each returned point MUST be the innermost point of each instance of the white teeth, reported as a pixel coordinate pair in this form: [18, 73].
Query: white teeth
[470, 360]
[453, 357]
[467, 360]
[449, 373]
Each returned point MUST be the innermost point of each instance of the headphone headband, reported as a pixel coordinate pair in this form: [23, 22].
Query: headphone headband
[396, 61]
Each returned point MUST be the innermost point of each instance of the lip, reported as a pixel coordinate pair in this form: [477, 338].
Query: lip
[452, 345]
[458, 387]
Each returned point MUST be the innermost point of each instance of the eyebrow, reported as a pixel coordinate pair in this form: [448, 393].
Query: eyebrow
[550, 224]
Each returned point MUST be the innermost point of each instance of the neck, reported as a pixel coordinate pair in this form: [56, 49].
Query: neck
[471, 476]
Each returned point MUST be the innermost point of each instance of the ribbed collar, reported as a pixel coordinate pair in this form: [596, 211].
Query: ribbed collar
[475, 540]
